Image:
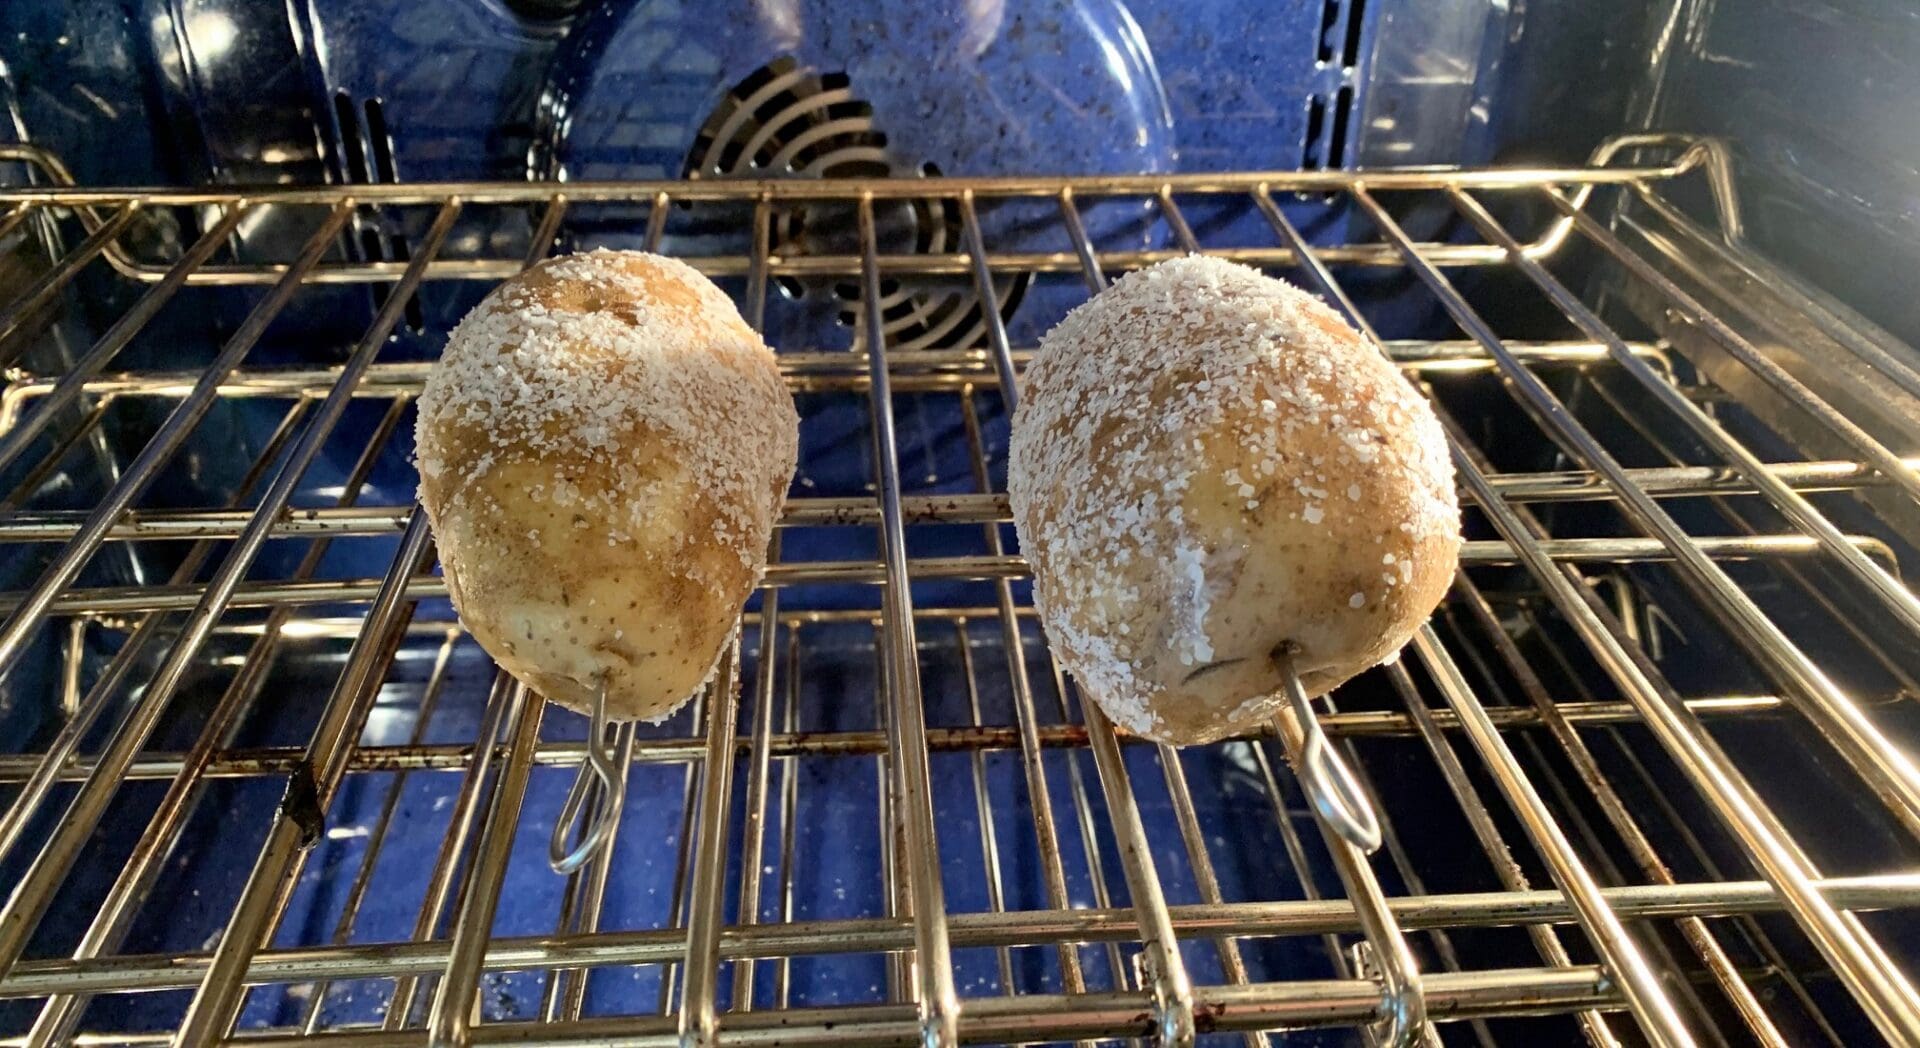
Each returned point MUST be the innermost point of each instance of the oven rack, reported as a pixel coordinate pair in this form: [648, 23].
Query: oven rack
[1546, 652]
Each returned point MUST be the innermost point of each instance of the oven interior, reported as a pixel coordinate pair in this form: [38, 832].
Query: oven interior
[1644, 778]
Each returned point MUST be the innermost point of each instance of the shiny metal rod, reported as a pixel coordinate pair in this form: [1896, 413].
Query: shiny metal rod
[278, 760]
[19, 434]
[1895, 596]
[1646, 998]
[450, 1019]
[933, 969]
[295, 828]
[984, 507]
[218, 998]
[65, 268]
[846, 188]
[1292, 917]
[698, 1012]
[1402, 1016]
[27, 902]
[145, 467]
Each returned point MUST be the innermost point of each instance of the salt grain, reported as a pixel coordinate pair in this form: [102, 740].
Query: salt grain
[1260, 369]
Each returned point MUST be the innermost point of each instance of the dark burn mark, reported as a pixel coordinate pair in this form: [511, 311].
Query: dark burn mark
[301, 804]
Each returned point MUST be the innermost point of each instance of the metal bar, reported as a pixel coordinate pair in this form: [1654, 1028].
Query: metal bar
[1195, 843]
[277, 760]
[541, 243]
[1026, 716]
[116, 600]
[74, 377]
[1722, 968]
[1403, 1007]
[217, 1000]
[482, 192]
[753, 844]
[1479, 818]
[1859, 961]
[1090, 267]
[895, 874]
[789, 803]
[1873, 351]
[1261, 1006]
[588, 901]
[1614, 808]
[64, 269]
[983, 507]
[976, 245]
[48, 766]
[1295, 847]
[143, 866]
[757, 270]
[983, 805]
[1896, 597]
[36, 477]
[1741, 349]
[1816, 590]
[1683, 829]
[505, 701]
[1176, 221]
[754, 831]
[130, 973]
[1317, 270]
[382, 824]
[803, 369]
[15, 218]
[449, 1020]
[26, 616]
[28, 901]
[938, 1005]
[698, 1022]
[1403, 864]
[1882, 765]
[1165, 974]
[1624, 962]
[682, 864]
[1083, 822]
[336, 274]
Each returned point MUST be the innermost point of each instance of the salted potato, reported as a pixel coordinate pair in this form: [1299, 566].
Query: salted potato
[1207, 465]
[604, 447]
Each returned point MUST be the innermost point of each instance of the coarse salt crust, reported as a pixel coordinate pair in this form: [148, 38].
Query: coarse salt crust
[1205, 463]
[603, 448]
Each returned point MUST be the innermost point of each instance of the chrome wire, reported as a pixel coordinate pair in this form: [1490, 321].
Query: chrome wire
[1542, 762]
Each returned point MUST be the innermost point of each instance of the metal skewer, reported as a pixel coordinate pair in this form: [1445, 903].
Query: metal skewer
[1324, 775]
[594, 800]
[1351, 829]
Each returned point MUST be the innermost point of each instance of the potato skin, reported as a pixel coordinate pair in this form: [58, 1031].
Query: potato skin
[604, 448]
[1207, 464]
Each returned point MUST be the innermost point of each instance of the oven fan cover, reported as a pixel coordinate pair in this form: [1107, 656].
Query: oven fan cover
[651, 89]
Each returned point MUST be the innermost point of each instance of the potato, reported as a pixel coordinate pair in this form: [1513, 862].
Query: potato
[1208, 465]
[604, 447]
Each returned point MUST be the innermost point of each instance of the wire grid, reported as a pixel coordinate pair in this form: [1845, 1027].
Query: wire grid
[1032, 875]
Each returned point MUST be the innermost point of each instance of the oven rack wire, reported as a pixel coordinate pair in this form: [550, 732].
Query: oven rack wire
[1770, 945]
